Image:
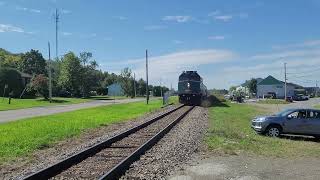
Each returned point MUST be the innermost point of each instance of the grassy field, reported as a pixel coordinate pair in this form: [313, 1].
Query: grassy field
[230, 133]
[28, 103]
[22, 137]
[273, 101]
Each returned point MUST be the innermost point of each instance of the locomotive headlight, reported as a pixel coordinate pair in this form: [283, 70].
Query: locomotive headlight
[188, 85]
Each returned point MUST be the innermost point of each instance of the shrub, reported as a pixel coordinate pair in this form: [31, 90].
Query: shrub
[40, 84]
[11, 78]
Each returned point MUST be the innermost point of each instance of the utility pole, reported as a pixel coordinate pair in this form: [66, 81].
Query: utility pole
[50, 75]
[316, 88]
[147, 87]
[134, 84]
[161, 87]
[56, 17]
[285, 81]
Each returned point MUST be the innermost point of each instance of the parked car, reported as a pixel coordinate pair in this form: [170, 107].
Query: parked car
[300, 97]
[291, 121]
[289, 99]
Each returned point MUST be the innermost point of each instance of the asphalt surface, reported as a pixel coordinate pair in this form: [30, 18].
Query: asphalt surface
[12, 115]
[296, 104]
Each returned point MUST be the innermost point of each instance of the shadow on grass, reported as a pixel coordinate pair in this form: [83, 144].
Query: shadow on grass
[101, 98]
[54, 100]
[300, 138]
[214, 101]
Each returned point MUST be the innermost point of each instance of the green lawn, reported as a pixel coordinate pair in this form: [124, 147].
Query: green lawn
[28, 103]
[20, 138]
[230, 133]
[273, 101]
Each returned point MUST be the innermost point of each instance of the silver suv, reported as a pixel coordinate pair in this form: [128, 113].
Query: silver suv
[290, 121]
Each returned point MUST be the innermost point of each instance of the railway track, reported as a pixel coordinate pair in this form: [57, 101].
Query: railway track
[112, 157]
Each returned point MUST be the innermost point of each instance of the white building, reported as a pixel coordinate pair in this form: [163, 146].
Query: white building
[270, 86]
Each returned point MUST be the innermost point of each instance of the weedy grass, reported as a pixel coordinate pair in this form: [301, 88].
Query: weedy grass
[38, 102]
[21, 138]
[273, 101]
[230, 133]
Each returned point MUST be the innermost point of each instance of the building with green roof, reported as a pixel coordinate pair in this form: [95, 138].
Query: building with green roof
[271, 86]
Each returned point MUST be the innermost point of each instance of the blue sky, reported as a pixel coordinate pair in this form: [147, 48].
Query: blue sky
[226, 41]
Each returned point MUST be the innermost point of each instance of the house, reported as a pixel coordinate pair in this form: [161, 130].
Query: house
[26, 78]
[115, 89]
[271, 86]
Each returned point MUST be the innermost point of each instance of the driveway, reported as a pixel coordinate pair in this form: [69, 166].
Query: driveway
[12, 115]
[296, 104]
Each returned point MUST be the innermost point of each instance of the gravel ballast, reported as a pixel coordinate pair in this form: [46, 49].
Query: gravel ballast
[45, 157]
[174, 150]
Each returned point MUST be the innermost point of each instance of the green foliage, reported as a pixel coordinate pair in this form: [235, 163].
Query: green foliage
[252, 85]
[71, 74]
[12, 79]
[127, 82]
[33, 63]
[141, 87]
[8, 59]
[157, 90]
[40, 84]
[21, 138]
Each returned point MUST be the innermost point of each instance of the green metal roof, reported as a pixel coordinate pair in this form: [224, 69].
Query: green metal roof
[270, 81]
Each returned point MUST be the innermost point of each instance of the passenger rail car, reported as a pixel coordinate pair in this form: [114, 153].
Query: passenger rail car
[191, 89]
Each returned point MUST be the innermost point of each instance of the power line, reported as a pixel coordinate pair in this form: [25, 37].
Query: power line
[305, 72]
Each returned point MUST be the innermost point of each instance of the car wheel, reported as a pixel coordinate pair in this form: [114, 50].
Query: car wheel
[273, 131]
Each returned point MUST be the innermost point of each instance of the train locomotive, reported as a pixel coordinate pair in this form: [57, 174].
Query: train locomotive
[191, 89]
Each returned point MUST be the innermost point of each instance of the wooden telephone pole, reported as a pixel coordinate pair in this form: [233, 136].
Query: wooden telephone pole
[147, 87]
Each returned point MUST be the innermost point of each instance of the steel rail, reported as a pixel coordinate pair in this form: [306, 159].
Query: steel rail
[62, 165]
[120, 168]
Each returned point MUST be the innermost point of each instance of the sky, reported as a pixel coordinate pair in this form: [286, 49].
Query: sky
[227, 42]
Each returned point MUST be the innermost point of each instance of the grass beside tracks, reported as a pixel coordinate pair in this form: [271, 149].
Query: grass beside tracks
[273, 101]
[29, 103]
[230, 133]
[22, 137]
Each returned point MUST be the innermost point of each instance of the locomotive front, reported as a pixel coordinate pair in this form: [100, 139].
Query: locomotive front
[189, 88]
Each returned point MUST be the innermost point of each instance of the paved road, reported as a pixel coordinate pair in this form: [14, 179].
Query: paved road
[12, 115]
[297, 104]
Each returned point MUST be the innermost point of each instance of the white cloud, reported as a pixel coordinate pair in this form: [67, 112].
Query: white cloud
[122, 18]
[305, 44]
[214, 13]
[179, 19]
[216, 37]
[66, 33]
[169, 66]
[287, 54]
[224, 18]
[65, 11]
[35, 10]
[28, 9]
[10, 28]
[177, 42]
[154, 27]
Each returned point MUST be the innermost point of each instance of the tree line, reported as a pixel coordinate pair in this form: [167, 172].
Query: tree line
[72, 76]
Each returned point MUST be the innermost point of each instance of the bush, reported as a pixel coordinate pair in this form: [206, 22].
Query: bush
[40, 84]
[12, 78]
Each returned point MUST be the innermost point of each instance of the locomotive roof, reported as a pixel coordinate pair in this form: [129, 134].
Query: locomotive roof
[190, 75]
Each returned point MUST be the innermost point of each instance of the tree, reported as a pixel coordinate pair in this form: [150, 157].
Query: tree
[252, 85]
[141, 87]
[40, 84]
[157, 90]
[71, 74]
[33, 63]
[232, 88]
[10, 81]
[127, 81]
